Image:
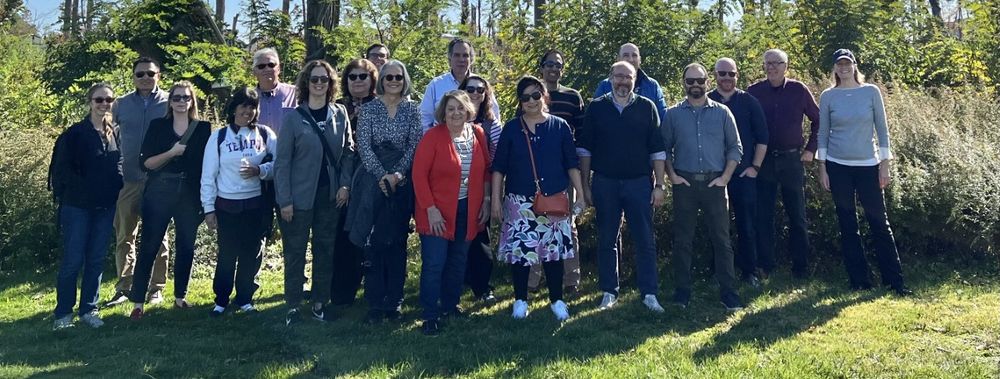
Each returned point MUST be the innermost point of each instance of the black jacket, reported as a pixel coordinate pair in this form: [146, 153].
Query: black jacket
[87, 170]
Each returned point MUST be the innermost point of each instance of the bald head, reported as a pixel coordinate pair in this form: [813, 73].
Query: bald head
[629, 52]
[622, 79]
[725, 76]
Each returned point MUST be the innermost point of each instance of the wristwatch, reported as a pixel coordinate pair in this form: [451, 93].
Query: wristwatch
[398, 175]
[660, 186]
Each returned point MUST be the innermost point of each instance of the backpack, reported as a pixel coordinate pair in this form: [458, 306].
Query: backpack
[56, 182]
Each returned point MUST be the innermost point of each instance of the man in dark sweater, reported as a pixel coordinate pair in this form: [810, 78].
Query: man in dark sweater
[620, 141]
[785, 102]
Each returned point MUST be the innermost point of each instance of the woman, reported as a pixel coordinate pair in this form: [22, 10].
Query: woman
[449, 180]
[313, 170]
[357, 89]
[379, 215]
[238, 159]
[479, 268]
[549, 165]
[851, 114]
[86, 181]
[172, 191]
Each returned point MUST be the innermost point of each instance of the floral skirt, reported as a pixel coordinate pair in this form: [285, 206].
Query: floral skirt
[528, 239]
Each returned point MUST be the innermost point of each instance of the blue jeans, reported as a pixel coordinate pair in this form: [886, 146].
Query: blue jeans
[86, 238]
[443, 267]
[743, 201]
[166, 198]
[612, 197]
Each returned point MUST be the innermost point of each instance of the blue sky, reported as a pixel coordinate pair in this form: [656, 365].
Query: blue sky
[45, 13]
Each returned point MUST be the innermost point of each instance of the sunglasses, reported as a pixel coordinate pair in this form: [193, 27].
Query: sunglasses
[537, 95]
[474, 89]
[142, 74]
[692, 81]
[723, 74]
[180, 98]
[320, 79]
[354, 77]
[394, 78]
[102, 100]
[552, 64]
[266, 65]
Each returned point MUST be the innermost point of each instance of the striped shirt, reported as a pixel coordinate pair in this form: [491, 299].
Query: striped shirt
[568, 105]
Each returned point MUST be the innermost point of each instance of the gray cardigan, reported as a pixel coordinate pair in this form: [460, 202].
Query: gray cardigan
[300, 153]
[133, 115]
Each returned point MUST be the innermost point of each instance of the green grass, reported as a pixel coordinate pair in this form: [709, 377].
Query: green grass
[791, 329]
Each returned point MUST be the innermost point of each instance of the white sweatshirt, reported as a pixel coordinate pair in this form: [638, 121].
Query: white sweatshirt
[220, 174]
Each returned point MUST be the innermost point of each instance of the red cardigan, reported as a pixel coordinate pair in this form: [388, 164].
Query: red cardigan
[436, 173]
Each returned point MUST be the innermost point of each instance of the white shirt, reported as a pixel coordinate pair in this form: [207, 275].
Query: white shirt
[435, 91]
[220, 175]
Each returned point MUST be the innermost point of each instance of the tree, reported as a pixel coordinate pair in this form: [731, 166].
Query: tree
[220, 11]
[539, 12]
[319, 19]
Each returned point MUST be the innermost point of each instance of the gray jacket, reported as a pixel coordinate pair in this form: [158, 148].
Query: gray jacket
[300, 153]
[133, 116]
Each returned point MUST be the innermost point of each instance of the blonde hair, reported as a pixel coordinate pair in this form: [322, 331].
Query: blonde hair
[835, 80]
[193, 109]
[459, 95]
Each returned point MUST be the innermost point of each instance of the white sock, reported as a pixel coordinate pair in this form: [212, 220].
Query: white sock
[219, 309]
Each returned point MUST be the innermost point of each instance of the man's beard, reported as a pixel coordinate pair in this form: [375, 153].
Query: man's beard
[695, 92]
[622, 91]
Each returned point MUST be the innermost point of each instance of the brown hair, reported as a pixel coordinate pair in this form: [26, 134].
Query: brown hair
[485, 110]
[363, 64]
[526, 82]
[193, 109]
[461, 97]
[302, 82]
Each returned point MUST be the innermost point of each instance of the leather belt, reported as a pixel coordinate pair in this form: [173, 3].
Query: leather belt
[699, 176]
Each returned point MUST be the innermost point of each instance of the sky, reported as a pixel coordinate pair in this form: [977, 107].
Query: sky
[45, 13]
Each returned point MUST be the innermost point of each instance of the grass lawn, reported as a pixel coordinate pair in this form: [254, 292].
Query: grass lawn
[790, 330]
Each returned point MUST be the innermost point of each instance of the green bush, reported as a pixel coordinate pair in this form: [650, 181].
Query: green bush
[26, 101]
[27, 213]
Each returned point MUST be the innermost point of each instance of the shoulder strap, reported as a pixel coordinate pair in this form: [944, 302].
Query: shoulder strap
[531, 154]
[190, 130]
[220, 138]
[321, 132]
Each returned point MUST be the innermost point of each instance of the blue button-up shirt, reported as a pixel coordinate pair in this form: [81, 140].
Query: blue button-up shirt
[275, 104]
[701, 139]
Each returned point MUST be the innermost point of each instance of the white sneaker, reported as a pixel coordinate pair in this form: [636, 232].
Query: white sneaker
[608, 301]
[155, 298]
[92, 319]
[520, 310]
[63, 323]
[560, 309]
[651, 303]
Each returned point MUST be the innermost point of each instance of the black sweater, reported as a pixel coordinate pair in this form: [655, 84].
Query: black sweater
[161, 137]
[620, 143]
[86, 172]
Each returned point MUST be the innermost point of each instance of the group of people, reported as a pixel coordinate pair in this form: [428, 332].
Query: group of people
[344, 162]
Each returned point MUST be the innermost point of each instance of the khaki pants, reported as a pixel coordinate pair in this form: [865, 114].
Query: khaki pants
[571, 266]
[126, 227]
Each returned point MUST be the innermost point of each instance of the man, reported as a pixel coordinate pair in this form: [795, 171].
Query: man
[566, 103]
[276, 98]
[644, 85]
[620, 140]
[461, 55]
[378, 54]
[743, 186]
[703, 149]
[132, 113]
[785, 102]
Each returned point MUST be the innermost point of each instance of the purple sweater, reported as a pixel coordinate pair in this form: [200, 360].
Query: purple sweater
[784, 107]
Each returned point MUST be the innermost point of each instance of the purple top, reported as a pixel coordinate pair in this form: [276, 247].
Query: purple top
[275, 104]
[784, 107]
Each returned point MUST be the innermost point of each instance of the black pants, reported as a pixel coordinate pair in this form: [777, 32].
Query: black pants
[385, 277]
[846, 182]
[347, 270]
[479, 265]
[784, 170]
[241, 249]
[688, 200]
[553, 278]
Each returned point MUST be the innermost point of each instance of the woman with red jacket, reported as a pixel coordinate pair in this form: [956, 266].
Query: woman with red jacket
[450, 169]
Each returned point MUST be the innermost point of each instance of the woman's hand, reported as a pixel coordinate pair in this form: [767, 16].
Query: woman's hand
[496, 208]
[883, 174]
[393, 181]
[579, 205]
[247, 172]
[177, 150]
[484, 211]
[436, 220]
[211, 221]
[286, 213]
[824, 179]
[343, 195]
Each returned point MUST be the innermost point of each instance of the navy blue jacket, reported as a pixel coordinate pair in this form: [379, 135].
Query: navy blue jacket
[554, 150]
[750, 122]
[86, 169]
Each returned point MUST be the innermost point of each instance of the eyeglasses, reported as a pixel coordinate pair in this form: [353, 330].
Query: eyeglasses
[319, 79]
[266, 65]
[552, 64]
[180, 98]
[622, 77]
[774, 64]
[537, 95]
[354, 77]
[692, 81]
[142, 74]
[394, 78]
[474, 89]
[377, 55]
[102, 100]
[723, 74]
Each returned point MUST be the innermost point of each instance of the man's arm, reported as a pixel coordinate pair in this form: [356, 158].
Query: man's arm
[812, 113]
